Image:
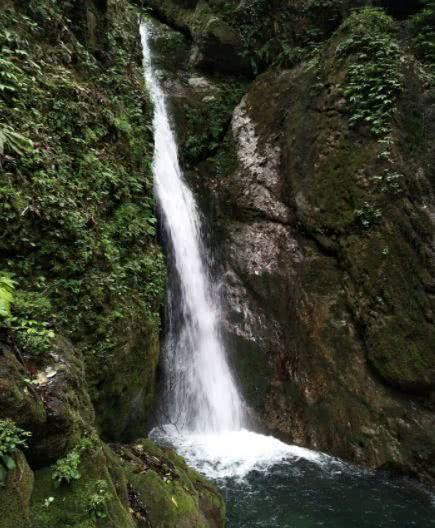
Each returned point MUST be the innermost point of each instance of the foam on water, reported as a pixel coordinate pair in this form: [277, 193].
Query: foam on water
[234, 454]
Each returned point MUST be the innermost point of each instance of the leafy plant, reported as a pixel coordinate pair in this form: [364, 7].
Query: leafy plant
[389, 182]
[67, 469]
[32, 335]
[374, 78]
[368, 215]
[48, 502]
[13, 142]
[97, 502]
[423, 29]
[7, 286]
[12, 438]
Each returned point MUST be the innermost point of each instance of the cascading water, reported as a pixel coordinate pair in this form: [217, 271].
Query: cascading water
[291, 486]
[204, 408]
[202, 395]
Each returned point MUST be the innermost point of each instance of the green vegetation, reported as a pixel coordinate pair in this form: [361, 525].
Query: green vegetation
[76, 207]
[368, 215]
[207, 124]
[372, 59]
[374, 78]
[7, 286]
[12, 438]
[280, 34]
[423, 28]
[67, 469]
[97, 502]
[31, 335]
[12, 142]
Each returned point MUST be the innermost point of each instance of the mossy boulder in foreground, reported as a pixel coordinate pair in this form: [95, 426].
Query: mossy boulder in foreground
[140, 486]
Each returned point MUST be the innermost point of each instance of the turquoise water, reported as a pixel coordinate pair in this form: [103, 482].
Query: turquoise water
[305, 495]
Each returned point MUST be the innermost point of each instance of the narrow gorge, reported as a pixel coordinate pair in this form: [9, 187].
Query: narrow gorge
[217, 263]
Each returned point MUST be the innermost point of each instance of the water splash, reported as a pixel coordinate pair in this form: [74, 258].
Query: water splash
[235, 454]
[201, 394]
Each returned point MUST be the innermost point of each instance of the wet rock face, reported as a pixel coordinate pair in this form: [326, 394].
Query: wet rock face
[345, 373]
[217, 45]
[328, 322]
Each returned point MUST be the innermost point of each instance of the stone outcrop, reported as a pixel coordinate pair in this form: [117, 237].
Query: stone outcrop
[327, 273]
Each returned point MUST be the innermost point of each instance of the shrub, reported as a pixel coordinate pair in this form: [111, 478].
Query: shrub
[67, 469]
[24, 321]
[7, 286]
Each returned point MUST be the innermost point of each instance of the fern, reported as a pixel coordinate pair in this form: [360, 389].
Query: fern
[13, 142]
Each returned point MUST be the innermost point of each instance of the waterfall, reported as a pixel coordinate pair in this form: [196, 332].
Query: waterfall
[203, 410]
[201, 395]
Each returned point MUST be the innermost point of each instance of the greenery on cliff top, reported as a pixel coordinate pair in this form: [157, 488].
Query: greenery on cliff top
[78, 232]
[424, 31]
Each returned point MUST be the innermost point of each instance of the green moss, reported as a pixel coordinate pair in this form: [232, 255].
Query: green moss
[206, 123]
[399, 337]
[129, 380]
[176, 496]
[336, 192]
[402, 352]
[15, 496]
[69, 505]
[16, 400]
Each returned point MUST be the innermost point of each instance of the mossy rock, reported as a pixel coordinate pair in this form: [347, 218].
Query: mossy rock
[175, 495]
[17, 400]
[218, 45]
[16, 494]
[123, 389]
[146, 485]
[403, 354]
[69, 503]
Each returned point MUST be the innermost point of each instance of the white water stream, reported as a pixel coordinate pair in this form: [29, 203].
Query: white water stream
[204, 397]
[203, 406]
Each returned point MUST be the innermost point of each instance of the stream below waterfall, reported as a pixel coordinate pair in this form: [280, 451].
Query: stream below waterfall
[301, 494]
[266, 483]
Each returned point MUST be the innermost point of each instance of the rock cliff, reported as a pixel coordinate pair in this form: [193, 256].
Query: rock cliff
[317, 187]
